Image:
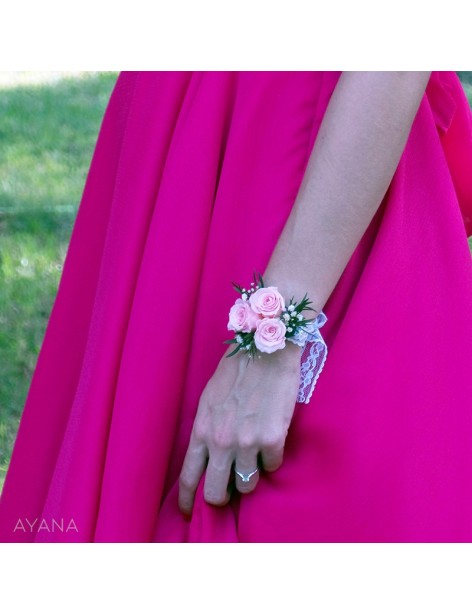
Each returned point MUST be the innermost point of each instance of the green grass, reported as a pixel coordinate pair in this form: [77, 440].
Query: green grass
[47, 136]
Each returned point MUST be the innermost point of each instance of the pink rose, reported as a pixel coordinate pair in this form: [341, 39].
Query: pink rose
[242, 318]
[270, 335]
[267, 301]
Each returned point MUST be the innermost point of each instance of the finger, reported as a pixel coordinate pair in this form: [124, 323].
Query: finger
[272, 456]
[246, 470]
[217, 477]
[192, 470]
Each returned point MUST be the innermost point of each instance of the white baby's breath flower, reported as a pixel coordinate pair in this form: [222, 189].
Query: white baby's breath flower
[291, 307]
[289, 329]
[286, 316]
[244, 297]
[299, 316]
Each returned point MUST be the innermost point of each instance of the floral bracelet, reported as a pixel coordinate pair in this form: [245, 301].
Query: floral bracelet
[262, 323]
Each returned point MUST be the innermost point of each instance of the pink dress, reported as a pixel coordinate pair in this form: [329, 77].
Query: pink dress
[184, 165]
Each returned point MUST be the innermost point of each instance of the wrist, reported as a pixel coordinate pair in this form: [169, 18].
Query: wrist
[265, 319]
[288, 358]
[291, 288]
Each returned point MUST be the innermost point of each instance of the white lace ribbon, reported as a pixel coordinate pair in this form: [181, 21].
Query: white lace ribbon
[313, 356]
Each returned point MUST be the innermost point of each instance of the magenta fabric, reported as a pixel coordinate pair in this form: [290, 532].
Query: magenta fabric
[191, 182]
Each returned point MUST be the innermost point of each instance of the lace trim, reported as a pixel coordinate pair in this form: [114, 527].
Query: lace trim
[313, 357]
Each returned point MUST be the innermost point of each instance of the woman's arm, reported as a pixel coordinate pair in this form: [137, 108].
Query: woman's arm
[357, 150]
[245, 409]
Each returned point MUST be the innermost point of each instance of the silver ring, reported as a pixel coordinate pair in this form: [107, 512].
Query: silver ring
[245, 477]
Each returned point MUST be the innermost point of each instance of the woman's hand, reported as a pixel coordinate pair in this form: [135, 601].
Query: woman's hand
[245, 410]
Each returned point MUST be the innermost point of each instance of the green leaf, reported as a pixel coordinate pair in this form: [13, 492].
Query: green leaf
[233, 352]
[230, 341]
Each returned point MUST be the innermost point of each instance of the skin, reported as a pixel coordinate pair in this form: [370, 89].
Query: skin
[245, 410]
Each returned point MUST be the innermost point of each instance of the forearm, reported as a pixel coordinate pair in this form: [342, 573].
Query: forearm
[357, 150]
